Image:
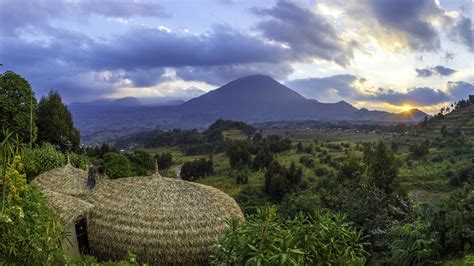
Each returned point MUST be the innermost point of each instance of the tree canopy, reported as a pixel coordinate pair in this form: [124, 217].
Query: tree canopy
[17, 106]
[55, 123]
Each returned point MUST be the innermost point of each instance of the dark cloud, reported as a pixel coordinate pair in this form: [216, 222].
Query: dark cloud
[25, 14]
[424, 72]
[462, 32]
[308, 34]
[460, 89]
[421, 96]
[151, 48]
[145, 77]
[437, 70]
[219, 75]
[324, 89]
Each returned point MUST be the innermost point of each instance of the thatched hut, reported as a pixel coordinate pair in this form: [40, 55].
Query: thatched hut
[162, 220]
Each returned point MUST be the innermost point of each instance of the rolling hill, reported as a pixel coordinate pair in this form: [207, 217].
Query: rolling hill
[454, 124]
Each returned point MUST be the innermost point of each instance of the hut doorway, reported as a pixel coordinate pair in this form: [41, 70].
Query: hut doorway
[81, 235]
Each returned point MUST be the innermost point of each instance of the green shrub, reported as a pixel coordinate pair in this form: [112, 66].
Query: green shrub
[143, 162]
[453, 222]
[29, 229]
[250, 199]
[197, 169]
[265, 239]
[79, 161]
[117, 165]
[241, 176]
[306, 203]
[164, 160]
[42, 159]
[413, 245]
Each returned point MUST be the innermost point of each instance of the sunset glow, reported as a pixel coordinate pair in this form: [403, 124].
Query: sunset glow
[406, 108]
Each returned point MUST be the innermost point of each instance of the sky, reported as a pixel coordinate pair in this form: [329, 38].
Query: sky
[376, 54]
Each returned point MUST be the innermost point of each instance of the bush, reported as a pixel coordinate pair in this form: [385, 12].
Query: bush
[29, 229]
[262, 160]
[241, 176]
[239, 156]
[164, 160]
[197, 169]
[264, 239]
[42, 159]
[79, 161]
[143, 162]
[250, 199]
[413, 245]
[117, 165]
[307, 161]
[306, 203]
[453, 222]
[419, 150]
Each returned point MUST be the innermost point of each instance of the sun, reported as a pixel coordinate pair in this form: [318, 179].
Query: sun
[406, 108]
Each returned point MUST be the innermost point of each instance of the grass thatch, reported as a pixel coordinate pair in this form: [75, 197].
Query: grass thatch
[162, 220]
[68, 208]
[66, 180]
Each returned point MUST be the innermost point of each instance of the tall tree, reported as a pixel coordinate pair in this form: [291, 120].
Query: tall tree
[382, 167]
[55, 123]
[17, 106]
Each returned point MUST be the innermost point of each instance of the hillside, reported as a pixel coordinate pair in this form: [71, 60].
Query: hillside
[458, 121]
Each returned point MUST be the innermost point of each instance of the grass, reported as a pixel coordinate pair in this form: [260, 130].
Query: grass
[466, 260]
[425, 179]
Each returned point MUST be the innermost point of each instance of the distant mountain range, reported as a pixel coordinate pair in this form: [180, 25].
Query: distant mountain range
[251, 99]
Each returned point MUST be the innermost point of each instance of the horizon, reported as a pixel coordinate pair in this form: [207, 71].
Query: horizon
[380, 55]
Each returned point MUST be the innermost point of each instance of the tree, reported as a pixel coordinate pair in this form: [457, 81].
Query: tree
[117, 165]
[239, 156]
[382, 167]
[17, 106]
[294, 174]
[164, 160]
[197, 169]
[276, 182]
[55, 123]
[351, 169]
[262, 160]
[142, 162]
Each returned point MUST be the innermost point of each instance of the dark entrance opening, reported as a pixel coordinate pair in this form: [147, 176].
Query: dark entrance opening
[81, 234]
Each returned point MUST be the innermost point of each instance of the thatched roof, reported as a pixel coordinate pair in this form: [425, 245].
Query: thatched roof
[66, 180]
[68, 208]
[164, 221]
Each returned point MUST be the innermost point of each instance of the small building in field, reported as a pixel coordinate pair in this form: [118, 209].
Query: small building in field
[163, 221]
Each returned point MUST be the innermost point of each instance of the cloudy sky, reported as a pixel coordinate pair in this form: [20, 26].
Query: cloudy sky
[379, 54]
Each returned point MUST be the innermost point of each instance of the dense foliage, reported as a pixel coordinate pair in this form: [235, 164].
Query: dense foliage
[164, 160]
[44, 158]
[117, 165]
[55, 123]
[265, 239]
[279, 180]
[29, 229]
[196, 169]
[142, 162]
[17, 107]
